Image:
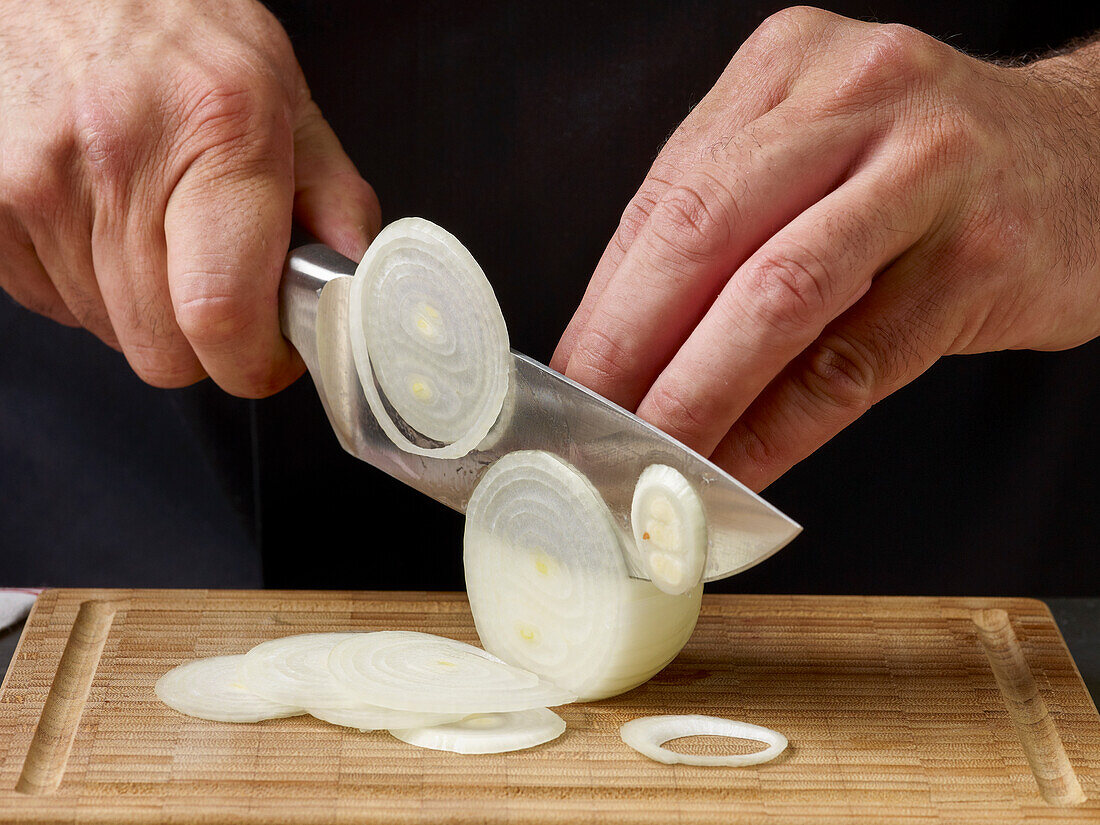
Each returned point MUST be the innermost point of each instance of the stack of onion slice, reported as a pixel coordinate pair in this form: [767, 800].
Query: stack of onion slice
[408, 683]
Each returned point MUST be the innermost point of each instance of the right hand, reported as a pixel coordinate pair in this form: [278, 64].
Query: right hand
[151, 157]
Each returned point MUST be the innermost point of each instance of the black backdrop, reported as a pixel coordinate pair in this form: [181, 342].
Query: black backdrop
[525, 128]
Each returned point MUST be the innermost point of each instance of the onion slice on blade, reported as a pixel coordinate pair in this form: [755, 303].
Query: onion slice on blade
[425, 323]
[670, 529]
[407, 670]
[489, 732]
[294, 670]
[549, 588]
[648, 734]
[211, 689]
[372, 717]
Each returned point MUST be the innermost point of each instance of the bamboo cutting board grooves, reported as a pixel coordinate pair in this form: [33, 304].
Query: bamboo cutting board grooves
[898, 710]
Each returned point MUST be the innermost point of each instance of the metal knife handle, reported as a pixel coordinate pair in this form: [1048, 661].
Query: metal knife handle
[305, 273]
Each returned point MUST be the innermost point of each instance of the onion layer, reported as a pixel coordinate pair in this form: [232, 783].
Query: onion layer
[406, 670]
[425, 323]
[294, 670]
[549, 588]
[489, 733]
[648, 734]
[211, 689]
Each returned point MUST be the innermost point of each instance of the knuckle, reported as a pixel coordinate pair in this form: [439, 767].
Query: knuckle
[216, 322]
[791, 288]
[889, 60]
[676, 413]
[692, 219]
[230, 108]
[841, 373]
[760, 451]
[662, 175]
[788, 24]
[599, 356]
[634, 217]
[107, 138]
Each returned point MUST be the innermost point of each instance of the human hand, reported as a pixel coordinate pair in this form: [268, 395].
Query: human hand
[151, 155]
[849, 203]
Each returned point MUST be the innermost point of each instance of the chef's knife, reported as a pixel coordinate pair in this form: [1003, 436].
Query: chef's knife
[544, 411]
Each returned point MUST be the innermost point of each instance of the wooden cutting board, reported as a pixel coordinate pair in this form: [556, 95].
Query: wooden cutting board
[897, 710]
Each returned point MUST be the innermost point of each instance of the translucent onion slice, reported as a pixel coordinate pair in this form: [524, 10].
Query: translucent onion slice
[406, 670]
[489, 733]
[648, 734]
[426, 324]
[372, 717]
[294, 670]
[670, 529]
[211, 689]
[549, 588]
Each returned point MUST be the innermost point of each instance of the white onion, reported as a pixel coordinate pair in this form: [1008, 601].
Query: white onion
[489, 732]
[294, 670]
[372, 717]
[549, 588]
[425, 323]
[647, 735]
[670, 529]
[406, 670]
[211, 689]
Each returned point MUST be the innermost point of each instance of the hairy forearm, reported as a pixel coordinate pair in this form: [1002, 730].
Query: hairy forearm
[1077, 63]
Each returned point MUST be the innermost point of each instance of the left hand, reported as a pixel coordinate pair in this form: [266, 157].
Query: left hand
[849, 203]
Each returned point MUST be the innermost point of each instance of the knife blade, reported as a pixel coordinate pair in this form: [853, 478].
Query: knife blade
[544, 411]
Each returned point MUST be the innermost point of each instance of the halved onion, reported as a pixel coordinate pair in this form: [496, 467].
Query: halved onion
[548, 584]
[488, 732]
[670, 529]
[648, 734]
[426, 324]
[211, 689]
[372, 717]
[294, 670]
[406, 670]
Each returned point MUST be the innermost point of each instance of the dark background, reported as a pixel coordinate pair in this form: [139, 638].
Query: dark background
[524, 128]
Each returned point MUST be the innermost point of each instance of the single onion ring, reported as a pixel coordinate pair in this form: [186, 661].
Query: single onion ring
[648, 734]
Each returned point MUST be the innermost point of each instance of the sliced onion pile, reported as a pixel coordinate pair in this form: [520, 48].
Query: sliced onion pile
[670, 529]
[426, 325]
[419, 681]
[548, 584]
[648, 734]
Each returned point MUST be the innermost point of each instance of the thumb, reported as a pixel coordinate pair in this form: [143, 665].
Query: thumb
[331, 201]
